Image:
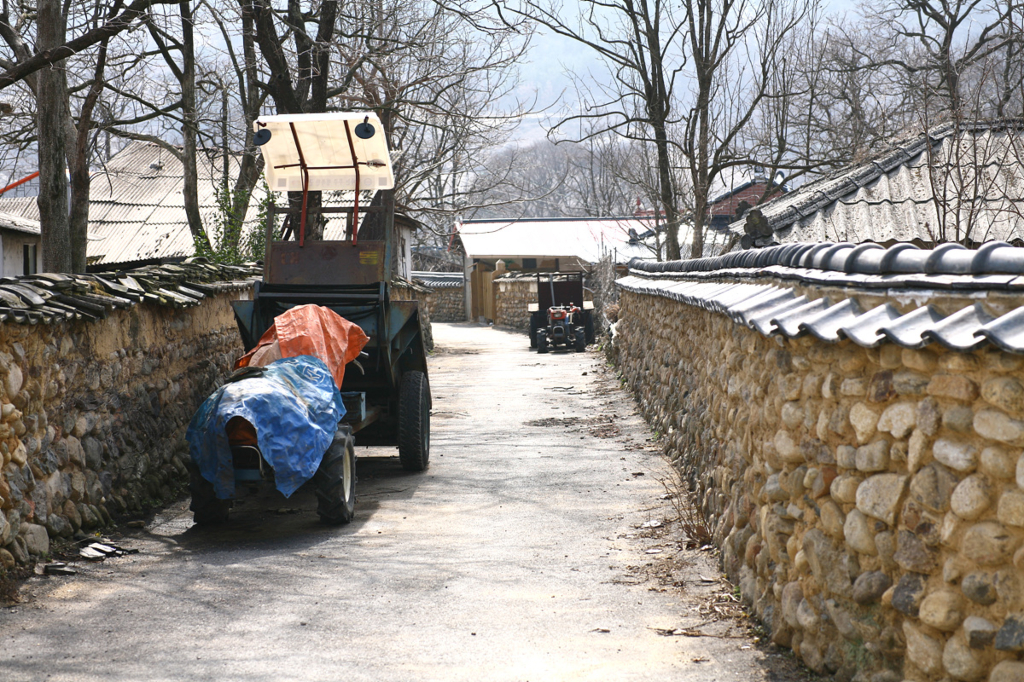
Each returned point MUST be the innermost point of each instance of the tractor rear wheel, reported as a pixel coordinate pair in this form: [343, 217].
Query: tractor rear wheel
[414, 421]
[335, 479]
[581, 339]
[207, 508]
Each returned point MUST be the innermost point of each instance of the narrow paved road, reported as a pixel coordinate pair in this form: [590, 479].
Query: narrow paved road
[521, 554]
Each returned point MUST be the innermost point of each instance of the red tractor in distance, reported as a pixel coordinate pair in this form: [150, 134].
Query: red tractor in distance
[556, 319]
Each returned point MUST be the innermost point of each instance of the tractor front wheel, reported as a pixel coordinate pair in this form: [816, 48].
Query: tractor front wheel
[335, 479]
[581, 339]
[414, 421]
[542, 341]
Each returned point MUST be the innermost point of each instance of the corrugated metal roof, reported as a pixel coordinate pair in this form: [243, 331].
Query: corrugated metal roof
[585, 238]
[16, 223]
[136, 205]
[954, 183]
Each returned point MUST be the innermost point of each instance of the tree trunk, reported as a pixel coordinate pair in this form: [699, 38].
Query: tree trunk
[188, 132]
[78, 215]
[668, 197]
[78, 162]
[251, 164]
[51, 119]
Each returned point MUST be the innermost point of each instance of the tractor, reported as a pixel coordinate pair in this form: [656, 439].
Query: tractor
[384, 396]
[561, 317]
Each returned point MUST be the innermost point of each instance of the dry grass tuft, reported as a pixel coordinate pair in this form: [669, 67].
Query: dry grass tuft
[696, 529]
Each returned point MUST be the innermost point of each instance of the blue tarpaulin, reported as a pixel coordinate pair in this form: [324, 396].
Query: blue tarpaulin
[294, 406]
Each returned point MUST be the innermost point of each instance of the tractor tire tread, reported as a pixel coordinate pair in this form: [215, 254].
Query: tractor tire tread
[329, 480]
[414, 421]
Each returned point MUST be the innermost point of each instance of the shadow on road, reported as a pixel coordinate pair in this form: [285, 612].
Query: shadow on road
[265, 521]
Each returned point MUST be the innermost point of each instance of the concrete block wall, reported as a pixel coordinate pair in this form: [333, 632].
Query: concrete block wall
[869, 502]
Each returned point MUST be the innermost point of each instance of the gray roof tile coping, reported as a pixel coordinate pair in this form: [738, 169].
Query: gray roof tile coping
[946, 266]
[50, 298]
[778, 310]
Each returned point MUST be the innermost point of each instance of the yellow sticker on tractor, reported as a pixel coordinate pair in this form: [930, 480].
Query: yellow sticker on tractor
[369, 257]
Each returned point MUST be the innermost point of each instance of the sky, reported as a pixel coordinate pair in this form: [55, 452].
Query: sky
[545, 74]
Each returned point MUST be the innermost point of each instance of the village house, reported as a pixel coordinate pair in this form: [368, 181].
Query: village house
[957, 183]
[137, 213]
[497, 247]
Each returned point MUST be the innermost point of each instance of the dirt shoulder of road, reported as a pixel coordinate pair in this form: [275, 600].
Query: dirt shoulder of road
[672, 561]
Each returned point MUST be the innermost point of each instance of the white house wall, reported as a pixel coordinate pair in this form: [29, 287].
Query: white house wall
[13, 253]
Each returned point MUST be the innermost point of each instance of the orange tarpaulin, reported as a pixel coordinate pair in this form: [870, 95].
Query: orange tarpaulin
[309, 330]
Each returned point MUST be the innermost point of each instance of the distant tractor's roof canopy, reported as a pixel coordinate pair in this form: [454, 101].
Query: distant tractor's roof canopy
[330, 146]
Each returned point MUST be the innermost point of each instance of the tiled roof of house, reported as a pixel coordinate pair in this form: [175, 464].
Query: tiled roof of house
[956, 183]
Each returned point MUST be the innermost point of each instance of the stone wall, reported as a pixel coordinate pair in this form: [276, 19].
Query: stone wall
[512, 296]
[869, 503]
[94, 414]
[409, 291]
[447, 304]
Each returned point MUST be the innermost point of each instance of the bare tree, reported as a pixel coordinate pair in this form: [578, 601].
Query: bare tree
[51, 97]
[731, 80]
[637, 42]
[952, 36]
[63, 230]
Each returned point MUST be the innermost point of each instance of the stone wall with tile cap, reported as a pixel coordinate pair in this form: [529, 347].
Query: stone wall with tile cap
[869, 502]
[93, 414]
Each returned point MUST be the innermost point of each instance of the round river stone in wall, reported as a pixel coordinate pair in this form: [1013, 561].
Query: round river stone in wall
[857, 531]
[1011, 509]
[959, 456]
[879, 496]
[913, 554]
[870, 586]
[998, 426]
[863, 419]
[1005, 393]
[1007, 671]
[932, 487]
[961, 662]
[971, 497]
[987, 544]
[979, 632]
[909, 591]
[942, 610]
[13, 382]
[923, 651]
[898, 419]
[998, 463]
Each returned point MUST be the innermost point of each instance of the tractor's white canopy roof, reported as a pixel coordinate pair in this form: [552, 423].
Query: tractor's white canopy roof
[324, 145]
